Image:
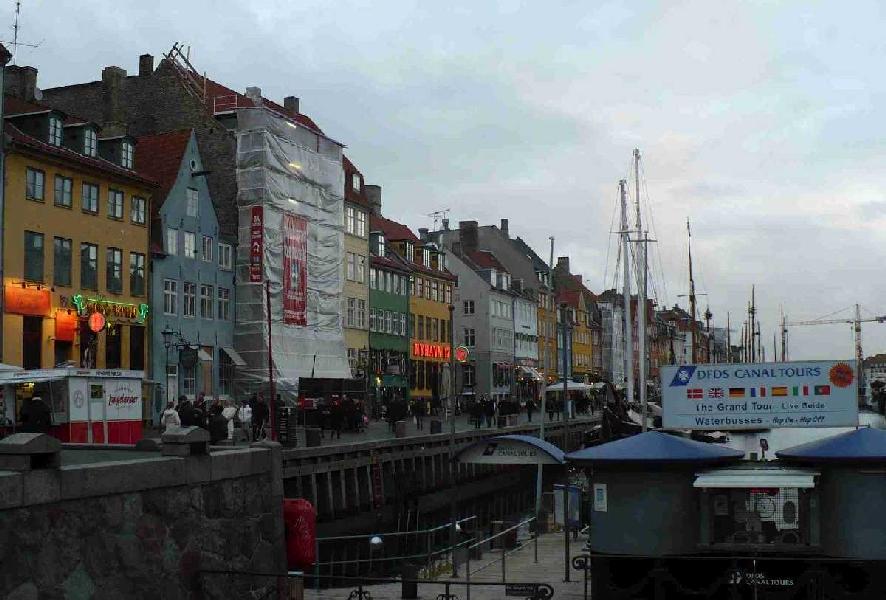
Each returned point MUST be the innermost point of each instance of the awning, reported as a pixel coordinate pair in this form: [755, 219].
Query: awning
[756, 478]
[532, 372]
[235, 358]
[571, 386]
[203, 355]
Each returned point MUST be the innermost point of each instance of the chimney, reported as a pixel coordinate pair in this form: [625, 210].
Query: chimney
[373, 193]
[445, 224]
[21, 82]
[145, 65]
[504, 228]
[563, 264]
[423, 234]
[113, 122]
[467, 233]
[254, 94]
[456, 247]
[290, 103]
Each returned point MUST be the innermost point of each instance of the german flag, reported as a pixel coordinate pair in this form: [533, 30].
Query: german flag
[779, 390]
[822, 390]
[736, 392]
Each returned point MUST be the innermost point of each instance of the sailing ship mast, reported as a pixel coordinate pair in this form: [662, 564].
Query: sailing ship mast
[692, 298]
[641, 291]
[626, 291]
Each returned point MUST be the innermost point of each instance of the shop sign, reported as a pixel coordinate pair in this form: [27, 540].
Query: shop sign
[97, 322]
[27, 301]
[423, 350]
[256, 244]
[295, 270]
[110, 308]
[65, 326]
[462, 354]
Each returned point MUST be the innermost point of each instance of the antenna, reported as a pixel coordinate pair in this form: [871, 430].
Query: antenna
[15, 27]
[437, 215]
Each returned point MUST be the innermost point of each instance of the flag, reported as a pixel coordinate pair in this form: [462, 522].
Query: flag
[695, 393]
[736, 392]
[822, 390]
[753, 392]
[805, 390]
[795, 391]
[781, 390]
[715, 393]
[762, 392]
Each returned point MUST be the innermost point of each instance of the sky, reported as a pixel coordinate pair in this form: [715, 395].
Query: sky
[758, 121]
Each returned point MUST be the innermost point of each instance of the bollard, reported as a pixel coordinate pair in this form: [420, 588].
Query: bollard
[468, 575]
[296, 585]
[504, 555]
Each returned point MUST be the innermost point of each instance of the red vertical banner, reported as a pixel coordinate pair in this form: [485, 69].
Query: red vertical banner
[256, 244]
[295, 270]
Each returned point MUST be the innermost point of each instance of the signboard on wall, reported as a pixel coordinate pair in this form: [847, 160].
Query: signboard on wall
[123, 400]
[295, 270]
[256, 244]
[760, 395]
[26, 301]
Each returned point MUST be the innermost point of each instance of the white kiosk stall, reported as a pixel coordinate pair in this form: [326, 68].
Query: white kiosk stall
[89, 406]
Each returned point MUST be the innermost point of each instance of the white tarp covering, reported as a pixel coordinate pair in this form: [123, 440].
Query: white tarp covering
[290, 172]
[756, 478]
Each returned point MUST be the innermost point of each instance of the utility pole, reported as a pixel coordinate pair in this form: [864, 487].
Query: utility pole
[272, 401]
[453, 468]
[5, 56]
[784, 338]
[566, 347]
[641, 295]
[626, 295]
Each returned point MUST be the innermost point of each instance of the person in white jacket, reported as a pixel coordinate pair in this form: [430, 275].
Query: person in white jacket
[228, 412]
[170, 418]
[245, 416]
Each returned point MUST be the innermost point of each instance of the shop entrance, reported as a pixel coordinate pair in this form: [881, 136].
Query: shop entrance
[32, 332]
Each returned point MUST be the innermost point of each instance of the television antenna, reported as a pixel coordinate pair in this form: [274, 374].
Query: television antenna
[15, 27]
[439, 215]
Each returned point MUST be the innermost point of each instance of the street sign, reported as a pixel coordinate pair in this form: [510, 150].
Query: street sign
[462, 354]
[760, 395]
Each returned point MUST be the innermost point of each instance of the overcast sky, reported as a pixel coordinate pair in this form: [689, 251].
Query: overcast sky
[758, 120]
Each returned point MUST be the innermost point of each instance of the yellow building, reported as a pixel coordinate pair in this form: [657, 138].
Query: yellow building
[355, 312]
[582, 341]
[75, 244]
[548, 365]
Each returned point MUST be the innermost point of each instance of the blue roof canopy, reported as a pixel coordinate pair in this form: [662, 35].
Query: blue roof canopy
[511, 450]
[655, 447]
[864, 444]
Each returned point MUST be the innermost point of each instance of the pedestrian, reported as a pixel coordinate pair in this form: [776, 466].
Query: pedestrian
[229, 412]
[530, 406]
[488, 411]
[558, 408]
[170, 418]
[35, 416]
[419, 409]
[259, 416]
[336, 418]
[551, 405]
[218, 426]
[185, 411]
[245, 416]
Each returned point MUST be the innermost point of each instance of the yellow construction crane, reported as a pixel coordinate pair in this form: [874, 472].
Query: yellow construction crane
[856, 326]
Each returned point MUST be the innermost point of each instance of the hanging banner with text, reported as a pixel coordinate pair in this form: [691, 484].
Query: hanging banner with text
[818, 393]
[295, 274]
[256, 244]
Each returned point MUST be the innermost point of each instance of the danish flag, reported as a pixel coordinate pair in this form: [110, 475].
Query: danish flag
[695, 393]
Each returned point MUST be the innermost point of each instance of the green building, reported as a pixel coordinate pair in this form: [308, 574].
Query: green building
[388, 321]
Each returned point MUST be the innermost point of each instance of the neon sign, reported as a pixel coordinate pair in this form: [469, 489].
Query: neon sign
[127, 310]
[430, 350]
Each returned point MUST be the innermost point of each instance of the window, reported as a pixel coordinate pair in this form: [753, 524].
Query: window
[381, 245]
[114, 270]
[421, 328]
[468, 374]
[126, 153]
[350, 220]
[469, 336]
[224, 303]
[89, 201]
[33, 256]
[61, 261]
[434, 334]
[207, 248]
[34, 186]
[351, 315]
[170, 296]
[171, 241]
[192, 201]
[361, 314]
[448, 298]
[428, 289]
[402, 323]
[136, 274]
[90, 142]
[426, 257]
[190, 245]
[372, 319]
[419, 287]
[190, 299]
[113, 347]
[444, 330]
[373, 279]
[412, 325]
[225, 255]
[136, 348]
[410, 252]
[189, 381]
[115, 204]
[88, 266]
[361, 223]
[55, 131]
[361, 269]
[207, 294]
[351, 266]
[355, 182]
[388, 321]
[64, 188]
[434, 291]
[137, 214]
[225, 373]
[397, 282]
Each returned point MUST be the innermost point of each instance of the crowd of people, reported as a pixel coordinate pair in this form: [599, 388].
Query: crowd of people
[222, 420]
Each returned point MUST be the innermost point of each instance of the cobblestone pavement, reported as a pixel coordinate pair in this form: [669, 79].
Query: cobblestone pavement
[520, 567]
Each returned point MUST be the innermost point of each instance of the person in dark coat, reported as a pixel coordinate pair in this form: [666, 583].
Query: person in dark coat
[419, 408]
[218, 426]
[530, 407]
[185, 411]
[336, 418]
[259, 417]
[35, 416]
[489, 411]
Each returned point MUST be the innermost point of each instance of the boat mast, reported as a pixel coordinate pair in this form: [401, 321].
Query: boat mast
[751, 312]
[626, 292]
[692, 298]
[641, 292]
[728, 340]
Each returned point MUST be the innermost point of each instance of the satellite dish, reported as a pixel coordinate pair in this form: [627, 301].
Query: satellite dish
[38, 94]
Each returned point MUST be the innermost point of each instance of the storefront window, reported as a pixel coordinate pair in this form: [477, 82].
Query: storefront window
[136, 348]
[189, 381]
[113, 344]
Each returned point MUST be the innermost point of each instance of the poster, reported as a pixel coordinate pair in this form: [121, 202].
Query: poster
[256, 244]
[822, 393]
[295, 276]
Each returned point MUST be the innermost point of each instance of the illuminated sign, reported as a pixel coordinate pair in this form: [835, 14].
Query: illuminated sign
[97, 322]
[462, 354]
[126, 310]
[26, 301]
[65, 325]
[422, 350]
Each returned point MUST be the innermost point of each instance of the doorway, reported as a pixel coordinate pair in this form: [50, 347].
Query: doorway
[32, 342]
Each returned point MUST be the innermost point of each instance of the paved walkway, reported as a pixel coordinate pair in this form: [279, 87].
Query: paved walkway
[520, 567]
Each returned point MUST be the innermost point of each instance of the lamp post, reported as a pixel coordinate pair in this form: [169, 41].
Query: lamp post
[567, 346]
[167, 334]
[453, 470]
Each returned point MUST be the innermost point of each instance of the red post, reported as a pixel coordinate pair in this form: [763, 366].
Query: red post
[272, 403]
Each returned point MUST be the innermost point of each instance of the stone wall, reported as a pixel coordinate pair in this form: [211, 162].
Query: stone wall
[142, 528]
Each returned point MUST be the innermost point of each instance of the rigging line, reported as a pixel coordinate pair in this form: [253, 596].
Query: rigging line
[653, 229]
[609, 242]
[831, 314]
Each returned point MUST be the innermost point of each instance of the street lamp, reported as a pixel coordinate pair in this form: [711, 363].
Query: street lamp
[375, 544]
[167, 334]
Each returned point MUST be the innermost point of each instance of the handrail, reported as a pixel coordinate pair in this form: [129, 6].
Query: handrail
[394, 533]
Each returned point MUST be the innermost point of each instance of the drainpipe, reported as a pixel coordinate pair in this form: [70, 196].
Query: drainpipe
[5, 57]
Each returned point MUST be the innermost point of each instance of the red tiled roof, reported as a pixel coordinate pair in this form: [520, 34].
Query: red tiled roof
[570, 297]
[351, 195]
[20, 138]
[394, 232]
[14, 106]
[159, 157]
[486, 260]
[384, 261]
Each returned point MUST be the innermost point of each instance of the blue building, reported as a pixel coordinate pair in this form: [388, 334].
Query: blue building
[192, 277]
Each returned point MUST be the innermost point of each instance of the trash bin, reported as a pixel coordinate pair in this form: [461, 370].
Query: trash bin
[436, 426]
[408, 585]
[312, 437]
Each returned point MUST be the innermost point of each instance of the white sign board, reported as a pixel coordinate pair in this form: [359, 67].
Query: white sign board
[505, 452]
[600, 497]
[818, 393]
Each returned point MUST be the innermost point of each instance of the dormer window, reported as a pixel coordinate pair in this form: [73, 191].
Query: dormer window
[355, 182]
[55, 131]
[410, 252]
[90, 142]
[381, 245]
[426, 257]
[126, 154]
[441, 260]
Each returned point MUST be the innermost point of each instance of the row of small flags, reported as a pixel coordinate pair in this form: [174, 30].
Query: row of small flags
[759, 392]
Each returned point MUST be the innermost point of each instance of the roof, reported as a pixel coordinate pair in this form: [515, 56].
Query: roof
[538, 263]
[863, 444]
[547, 453]
[486, 260]
[655, 447]
[159, 157]
[352, 195]
[18, 137]
[570, 297]
[14, 106]
[388, 263]
[393, 231]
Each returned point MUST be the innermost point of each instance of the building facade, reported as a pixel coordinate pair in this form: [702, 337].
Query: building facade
[75, 242]
[192, 279]
[355, 310]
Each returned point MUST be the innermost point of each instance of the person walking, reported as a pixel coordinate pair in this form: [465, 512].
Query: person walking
[218, 426]
[185, 411]
[35, 416]
[170, 418]
[419, 410]
[228, 412]
[259, 416]
[530, 406]
[245, 416]
[336, 418]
